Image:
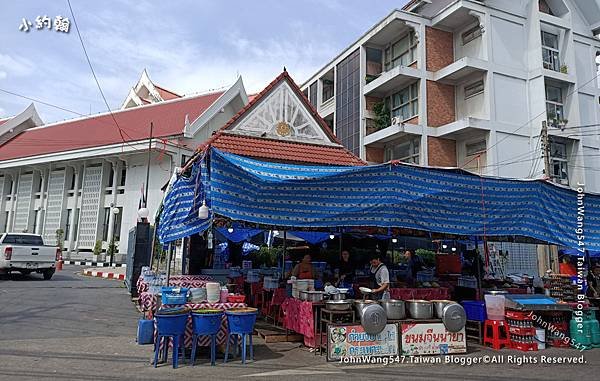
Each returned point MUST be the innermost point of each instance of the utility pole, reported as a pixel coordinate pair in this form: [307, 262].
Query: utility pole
[546, 149]
[148, 166]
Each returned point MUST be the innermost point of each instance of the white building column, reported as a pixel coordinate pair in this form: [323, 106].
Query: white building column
[111, 215]
[71, 237]
[13, 206]
[9, 209]
[41, 209]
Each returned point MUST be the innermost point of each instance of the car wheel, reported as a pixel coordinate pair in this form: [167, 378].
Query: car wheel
[48, 274]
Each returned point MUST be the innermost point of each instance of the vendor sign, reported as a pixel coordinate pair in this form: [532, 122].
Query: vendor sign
[431, 339]
[352, 341]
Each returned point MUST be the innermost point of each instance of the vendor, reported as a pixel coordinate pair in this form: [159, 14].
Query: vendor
[304, 269]
[415, 264]
[592, 282]
[346, 269]
[380, 278]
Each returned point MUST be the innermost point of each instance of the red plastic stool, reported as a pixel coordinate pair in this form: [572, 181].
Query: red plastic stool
[496, 334]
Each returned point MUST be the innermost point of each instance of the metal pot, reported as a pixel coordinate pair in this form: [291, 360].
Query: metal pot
[338, 305]
[454, 317]
[394, 309]
[312, 296]
[338, 296]
[438, 306]
[420, 309]
[359, 305]
[373, 318]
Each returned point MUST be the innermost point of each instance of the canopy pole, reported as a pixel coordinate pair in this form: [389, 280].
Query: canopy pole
[169, 263]
[283, 254]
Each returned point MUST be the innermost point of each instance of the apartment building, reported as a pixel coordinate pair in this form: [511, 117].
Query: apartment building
[465, 83]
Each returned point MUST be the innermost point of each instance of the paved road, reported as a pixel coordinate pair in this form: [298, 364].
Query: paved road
[79, 328]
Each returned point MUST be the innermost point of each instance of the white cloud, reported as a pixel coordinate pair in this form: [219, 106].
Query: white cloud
[15, 66]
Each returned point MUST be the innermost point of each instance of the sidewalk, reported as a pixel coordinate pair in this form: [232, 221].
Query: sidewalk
[117, 273]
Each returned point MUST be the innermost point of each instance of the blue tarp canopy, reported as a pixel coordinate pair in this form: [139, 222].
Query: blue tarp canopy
[404, 196]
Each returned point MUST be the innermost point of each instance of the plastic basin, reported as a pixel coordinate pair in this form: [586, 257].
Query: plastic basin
[206, 324]
[241, 322]
[171, 325]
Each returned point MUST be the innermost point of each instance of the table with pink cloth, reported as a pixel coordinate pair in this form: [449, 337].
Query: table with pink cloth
[190, 281]
[439, 293]
[204, 340]
[299, 316]
[148, 301]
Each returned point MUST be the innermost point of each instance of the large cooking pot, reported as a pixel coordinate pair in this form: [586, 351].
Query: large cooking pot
[394, 309]
[311, 296]
[420, 309]
[338, 305]
[359, 305]
[454, 317]
[438, 307]
[373, 318]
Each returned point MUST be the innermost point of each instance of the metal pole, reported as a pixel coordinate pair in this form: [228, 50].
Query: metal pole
[148, 166]
[283, 254]
[169, 262]
[546, 149]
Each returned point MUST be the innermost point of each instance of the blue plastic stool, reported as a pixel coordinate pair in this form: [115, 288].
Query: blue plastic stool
[206, 325]
[242, 324]
[170, 326]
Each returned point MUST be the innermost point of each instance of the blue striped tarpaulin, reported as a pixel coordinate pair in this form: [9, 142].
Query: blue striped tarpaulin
[179, 216]
[387, 195]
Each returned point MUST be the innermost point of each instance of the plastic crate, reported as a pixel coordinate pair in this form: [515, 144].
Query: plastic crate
[521, 331]
[524, 347]
[475, 310]
[518, 315]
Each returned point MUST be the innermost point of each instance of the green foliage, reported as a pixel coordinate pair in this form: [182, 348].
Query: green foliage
[60, 242]
[98, 247]
[382, 115]
[564, 69]
[427, 256]
[112, 249]
[266, 256]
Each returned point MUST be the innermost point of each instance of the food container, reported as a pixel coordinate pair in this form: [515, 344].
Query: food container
[232, 298]
[394, 309]
[338, 305]
[359, 305]
[454, 317]
[420, 309]
[373, 318]
[438, 307]
[495, 304]
[312, 296]
[338, 296]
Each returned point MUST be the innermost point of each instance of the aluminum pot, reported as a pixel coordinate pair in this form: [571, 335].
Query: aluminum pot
[359, 306]
[420, 309]
[338, 296]
[338, 305]
[313, 296]
[394, 309]
[373, 318]
[438, 306]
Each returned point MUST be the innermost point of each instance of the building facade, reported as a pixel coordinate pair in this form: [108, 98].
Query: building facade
[465, 83]
[72, 175]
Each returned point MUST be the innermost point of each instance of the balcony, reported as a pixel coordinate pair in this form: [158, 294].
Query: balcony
[394, 79]
[460, 69]
[457, 15]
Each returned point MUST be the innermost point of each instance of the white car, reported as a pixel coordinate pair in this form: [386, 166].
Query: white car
[26, 253]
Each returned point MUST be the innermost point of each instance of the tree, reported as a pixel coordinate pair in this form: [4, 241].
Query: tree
[60, 242]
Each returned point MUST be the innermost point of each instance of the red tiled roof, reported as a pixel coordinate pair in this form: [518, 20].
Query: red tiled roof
[168, 119]
[290, 152]
[285, 151]
[251, 97]
[166, 94]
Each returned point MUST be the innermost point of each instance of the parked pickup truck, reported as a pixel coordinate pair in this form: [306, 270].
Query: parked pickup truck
[26, 253]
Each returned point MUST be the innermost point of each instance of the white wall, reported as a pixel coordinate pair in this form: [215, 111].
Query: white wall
[509, 43]
[509, 152]
[510, 97]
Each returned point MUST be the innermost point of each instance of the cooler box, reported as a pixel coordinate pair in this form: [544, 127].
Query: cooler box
[475, 310]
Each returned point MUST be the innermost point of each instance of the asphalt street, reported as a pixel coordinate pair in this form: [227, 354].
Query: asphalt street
[79, 328]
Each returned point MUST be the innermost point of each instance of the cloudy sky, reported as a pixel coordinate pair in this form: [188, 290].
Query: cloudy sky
[186, 46]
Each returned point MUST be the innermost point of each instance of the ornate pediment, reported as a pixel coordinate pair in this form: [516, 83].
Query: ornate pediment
[280, 114]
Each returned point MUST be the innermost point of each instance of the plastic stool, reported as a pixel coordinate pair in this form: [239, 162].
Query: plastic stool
[240, 324]
[170, 327]
[496, 334]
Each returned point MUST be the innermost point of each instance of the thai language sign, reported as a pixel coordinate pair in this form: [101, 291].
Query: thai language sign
[431, 339]
[352, 341]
